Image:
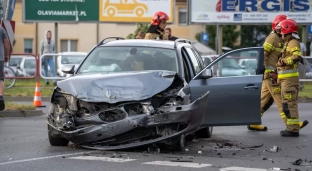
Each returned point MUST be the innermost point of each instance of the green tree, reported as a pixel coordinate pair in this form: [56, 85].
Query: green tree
[255, 35]
[229, 35]
[139, 27]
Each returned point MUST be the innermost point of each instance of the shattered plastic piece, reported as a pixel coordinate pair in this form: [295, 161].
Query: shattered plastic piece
[274, 149]
[194, 140]
[234, 154]
[276, 168]
[264, 158]
[199, 152]
[256, 146]
[297, 162]
[178, 160]
[186, 150]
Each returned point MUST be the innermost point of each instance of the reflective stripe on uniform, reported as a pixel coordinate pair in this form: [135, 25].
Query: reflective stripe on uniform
[268, 71]
[288, 73]
[268, 47]
[293, 122]
[270, 67]
[297, 53]
[278, 49]
[289, 60]
[283, 116]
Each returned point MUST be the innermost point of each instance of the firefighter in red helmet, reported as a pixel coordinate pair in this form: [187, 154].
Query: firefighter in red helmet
[157, 27]
[288, 76]
[271, 89]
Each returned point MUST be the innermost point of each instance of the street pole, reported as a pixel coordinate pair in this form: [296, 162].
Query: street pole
[216, 39]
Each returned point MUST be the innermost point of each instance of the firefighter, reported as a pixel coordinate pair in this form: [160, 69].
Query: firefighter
[157, 27]
[288, 75]
[271, 91]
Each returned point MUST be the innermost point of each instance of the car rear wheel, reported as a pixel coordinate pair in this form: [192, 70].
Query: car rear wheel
[204, 132]
[178, 143]
[56, 140]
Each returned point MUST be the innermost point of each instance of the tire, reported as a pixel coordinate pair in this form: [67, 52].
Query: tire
[9, 72]
[56, 140]
[204, 132]
[178, 143]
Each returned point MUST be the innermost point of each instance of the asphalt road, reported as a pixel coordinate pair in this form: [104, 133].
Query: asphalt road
[24, 146]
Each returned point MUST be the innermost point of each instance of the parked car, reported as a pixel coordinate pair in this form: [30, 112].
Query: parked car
[23, 66]
[69, 58]
[128, 93]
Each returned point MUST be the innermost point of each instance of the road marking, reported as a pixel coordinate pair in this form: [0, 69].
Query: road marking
[108, 159]
[42, 158]
[181, 164]
[241, 169]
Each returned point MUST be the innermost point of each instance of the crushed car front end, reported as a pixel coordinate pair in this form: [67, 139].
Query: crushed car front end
[163, 112]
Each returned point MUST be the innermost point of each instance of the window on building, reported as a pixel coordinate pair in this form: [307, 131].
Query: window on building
[69, 45]
[182, 16]
[28, 45]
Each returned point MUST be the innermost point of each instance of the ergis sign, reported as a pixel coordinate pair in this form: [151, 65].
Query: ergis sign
[255, 12]
[265, 5]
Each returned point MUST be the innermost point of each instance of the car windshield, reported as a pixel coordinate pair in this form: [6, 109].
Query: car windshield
[14, 61]
[30, 63]
[72, 59]
[121, 59]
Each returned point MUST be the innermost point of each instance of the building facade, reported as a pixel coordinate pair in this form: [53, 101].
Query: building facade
[73, 37]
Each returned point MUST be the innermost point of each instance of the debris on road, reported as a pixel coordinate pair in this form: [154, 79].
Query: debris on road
[276, 168]
[199, 152]
[178, 160]
[274, 149]
[255, 146]
[191, 157]
[300, 162]
[186, 150]
[264, 158]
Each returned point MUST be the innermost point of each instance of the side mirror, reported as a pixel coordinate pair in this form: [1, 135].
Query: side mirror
[207, 73]
[68, 69]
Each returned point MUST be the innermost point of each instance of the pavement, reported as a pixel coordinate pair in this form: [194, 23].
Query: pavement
[24, 146]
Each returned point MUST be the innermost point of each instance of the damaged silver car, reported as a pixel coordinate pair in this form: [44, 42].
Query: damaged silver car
[123, 97]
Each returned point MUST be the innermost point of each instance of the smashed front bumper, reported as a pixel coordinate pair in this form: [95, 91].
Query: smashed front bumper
[117, 135]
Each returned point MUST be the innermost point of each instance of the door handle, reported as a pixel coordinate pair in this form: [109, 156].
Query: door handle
[251, 87]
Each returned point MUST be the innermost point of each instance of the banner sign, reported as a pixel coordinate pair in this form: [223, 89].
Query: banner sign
[249, 11]
[126, 11]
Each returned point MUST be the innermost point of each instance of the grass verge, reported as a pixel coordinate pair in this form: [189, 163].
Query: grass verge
[307, 90]
[19, 91]
[15, 106]
[32, 83]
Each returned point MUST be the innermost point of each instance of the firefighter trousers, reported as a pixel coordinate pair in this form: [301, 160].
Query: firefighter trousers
[271, 93]
[289, 94]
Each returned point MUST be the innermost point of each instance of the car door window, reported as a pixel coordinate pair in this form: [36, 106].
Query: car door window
[239, 63]
[196, 65]
[198, 56]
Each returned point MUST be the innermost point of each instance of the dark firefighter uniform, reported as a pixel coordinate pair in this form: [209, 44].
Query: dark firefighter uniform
[157, 34]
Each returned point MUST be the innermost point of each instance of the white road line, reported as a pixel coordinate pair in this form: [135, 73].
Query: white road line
[42, 158]
[241, 169]
[108, 159]
[180, 164]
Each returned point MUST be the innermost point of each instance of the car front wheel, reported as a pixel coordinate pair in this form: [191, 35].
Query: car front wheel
[204, 132]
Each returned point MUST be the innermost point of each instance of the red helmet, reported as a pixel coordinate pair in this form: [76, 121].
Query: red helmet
[288, 26]
[158, 17]
[277, 20]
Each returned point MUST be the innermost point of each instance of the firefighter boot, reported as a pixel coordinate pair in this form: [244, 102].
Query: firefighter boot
[289, 134]
[257, 128]
[303, 124]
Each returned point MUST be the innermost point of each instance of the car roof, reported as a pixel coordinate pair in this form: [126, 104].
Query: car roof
[141, 42]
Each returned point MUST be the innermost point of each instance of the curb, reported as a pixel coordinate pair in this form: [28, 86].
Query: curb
[20, 113]
[24, 98]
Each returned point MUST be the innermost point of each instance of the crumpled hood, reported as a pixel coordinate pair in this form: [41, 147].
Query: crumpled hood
[117, 87]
